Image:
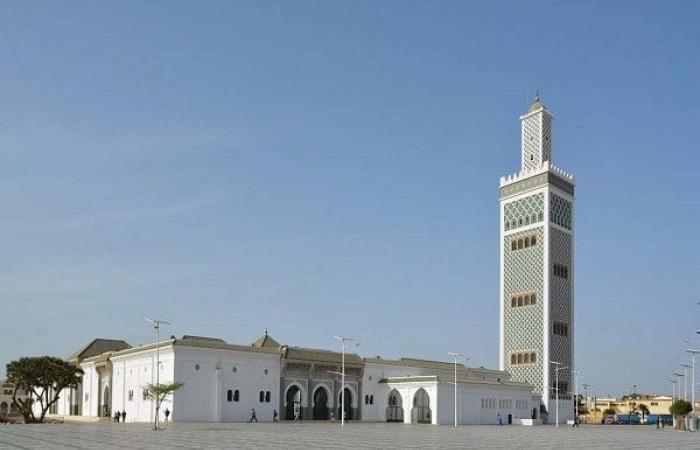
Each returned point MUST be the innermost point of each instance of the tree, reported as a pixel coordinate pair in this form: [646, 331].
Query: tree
[158, 393]
[609, 412]
[680, 408]
[44, 377]
[643, 409]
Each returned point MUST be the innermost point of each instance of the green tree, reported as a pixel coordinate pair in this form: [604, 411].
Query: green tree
[609, 412]
[158, 393]
[680, 408]
[44, 377]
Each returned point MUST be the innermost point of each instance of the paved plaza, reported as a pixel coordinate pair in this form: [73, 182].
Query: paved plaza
[330, 435]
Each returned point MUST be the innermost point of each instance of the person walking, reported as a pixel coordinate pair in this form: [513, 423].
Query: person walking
[499, 419]
[116, 416]
[124, 416]
[167, 414]
[296, 416]
[575, 425]
[274, 416]
[253, 417]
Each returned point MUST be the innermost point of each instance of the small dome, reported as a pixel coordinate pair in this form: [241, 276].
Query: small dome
[537, 104]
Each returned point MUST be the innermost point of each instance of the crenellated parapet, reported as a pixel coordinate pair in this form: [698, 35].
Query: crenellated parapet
[546, 167]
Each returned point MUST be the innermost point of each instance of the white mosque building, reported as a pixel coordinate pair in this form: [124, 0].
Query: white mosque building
[224, 382]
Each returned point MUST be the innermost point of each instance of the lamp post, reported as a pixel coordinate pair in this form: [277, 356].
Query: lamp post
[455, 355]
[343, 342]
[576, 374]
[679, 376]
[556, 388]
[686, 366]
[693, 352]
[673, 389]
[585, 394]
[156, 326]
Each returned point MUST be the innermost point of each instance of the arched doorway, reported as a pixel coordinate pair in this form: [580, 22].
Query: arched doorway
[347, 399]
[321, 404]
[106, 410]
[394, 409]
[421, 407]
[3, 409]
[293, 405]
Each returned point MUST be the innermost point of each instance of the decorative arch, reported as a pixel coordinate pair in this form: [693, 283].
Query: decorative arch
[3, 408]
[394, 408]
[421, 413]
[321, 399]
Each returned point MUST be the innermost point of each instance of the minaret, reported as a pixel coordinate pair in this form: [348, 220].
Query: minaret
[536, 301]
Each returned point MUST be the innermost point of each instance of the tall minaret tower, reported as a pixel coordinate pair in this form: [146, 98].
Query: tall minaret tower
[536, 301]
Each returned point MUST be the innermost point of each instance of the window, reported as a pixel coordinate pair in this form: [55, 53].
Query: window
[523, 358]
[229, 396]
[267, 397]
[560, 328]
[234, 369]
[560, 271]
[196, 367]
[236, 395]
[371, 399]
[144, 394]
[523, 242]
[131, 394]
[519, 300]
[366, 399]
[261, 396]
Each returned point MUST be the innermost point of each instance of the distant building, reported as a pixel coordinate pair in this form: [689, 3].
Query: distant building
[7, 407]
[657, 405]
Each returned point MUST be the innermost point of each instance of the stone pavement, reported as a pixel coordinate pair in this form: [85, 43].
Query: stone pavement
[328, 435]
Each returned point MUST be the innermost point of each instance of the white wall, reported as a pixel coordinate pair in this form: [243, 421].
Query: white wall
[133, 372]
[203, 398]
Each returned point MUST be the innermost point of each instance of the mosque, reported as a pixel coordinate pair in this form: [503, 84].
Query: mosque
[224, 382]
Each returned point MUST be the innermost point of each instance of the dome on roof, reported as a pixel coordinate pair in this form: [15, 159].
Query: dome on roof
[537, 104]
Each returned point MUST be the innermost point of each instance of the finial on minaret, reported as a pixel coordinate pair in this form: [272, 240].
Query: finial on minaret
[537, 95]
[265, 331]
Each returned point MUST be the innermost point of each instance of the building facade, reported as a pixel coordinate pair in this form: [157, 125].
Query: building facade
[537, 268]
[225, 382]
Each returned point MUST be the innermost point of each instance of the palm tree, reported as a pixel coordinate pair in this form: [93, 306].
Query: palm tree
[643, 409]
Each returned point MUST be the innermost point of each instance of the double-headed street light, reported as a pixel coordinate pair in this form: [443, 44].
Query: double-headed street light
[156, 326]
[679, 376]
[455, 355]
[556, 387]
[343, 343]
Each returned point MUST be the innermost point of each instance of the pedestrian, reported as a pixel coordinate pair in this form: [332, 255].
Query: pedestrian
[663, 422]
[253, 417]
[296, 416]
[658, 423]
[575, 425]
[167, 414]
[499, 419]
[274, 416]
[124, 416]
[116, 416]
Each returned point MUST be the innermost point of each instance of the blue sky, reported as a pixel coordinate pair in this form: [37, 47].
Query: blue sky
[321, 168]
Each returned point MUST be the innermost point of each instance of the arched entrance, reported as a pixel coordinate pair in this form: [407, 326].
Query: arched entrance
[347, 399]
[421, 407]
[3, 409]
[293, 403]
[106, 410]
[394, 409]
[321, 404]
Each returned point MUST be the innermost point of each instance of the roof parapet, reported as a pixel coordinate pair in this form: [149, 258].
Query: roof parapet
[547, 166]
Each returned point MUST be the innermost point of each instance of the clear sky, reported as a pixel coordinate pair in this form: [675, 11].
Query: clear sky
[332, 168]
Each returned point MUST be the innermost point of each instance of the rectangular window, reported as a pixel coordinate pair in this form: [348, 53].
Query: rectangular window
[523, 299]
[560, 270]
[560, 328]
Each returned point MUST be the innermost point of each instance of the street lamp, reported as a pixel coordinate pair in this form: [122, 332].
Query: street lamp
[343, 342]
[685, 379]
[693, 352]
[556, 387]
[576, 374]
[455, 355]
[156, 326]
[585, 394]
[673, 388]
[680, 375]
